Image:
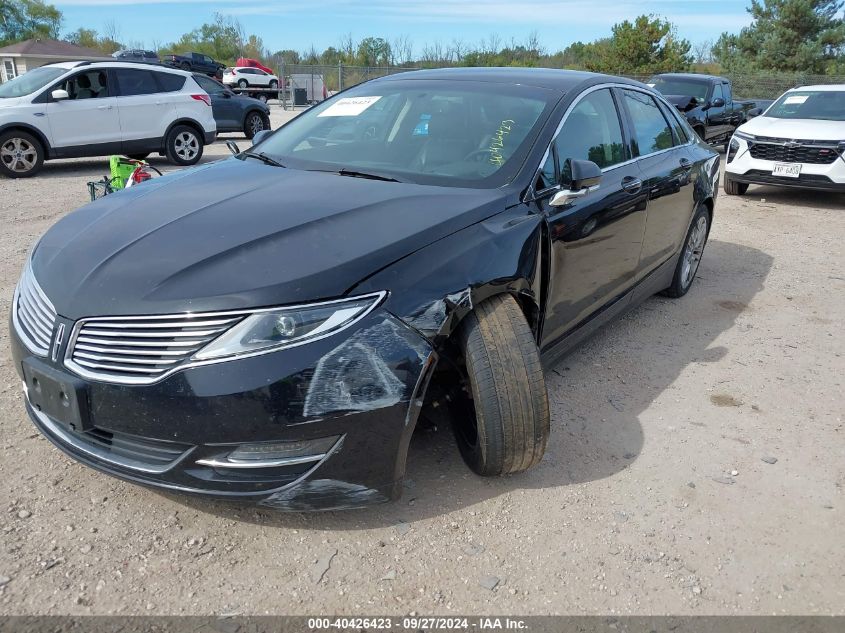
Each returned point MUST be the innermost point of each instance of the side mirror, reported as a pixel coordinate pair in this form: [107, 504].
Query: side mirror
[59, 95]
[754, 112]
[718, 102]
[260, 136]
[228, 94]
[585, 177]
[233, 147]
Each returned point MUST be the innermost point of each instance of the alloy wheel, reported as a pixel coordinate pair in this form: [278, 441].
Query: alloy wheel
[186, 146]
[255, 124]
[693, 251]
[18, 155]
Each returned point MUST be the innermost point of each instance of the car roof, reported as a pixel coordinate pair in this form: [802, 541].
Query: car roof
[551, 78]
[693, 76]
[821, 88]
[119, 64]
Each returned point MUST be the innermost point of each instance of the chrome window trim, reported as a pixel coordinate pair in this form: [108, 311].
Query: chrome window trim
[533, 193]
[151, 380]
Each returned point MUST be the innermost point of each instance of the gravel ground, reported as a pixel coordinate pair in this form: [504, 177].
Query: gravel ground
[696, 466]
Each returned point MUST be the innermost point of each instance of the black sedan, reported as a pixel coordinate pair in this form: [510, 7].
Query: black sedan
[271, 327]
[233, 112]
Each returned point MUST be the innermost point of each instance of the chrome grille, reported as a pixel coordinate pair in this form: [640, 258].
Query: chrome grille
[33, 314]
[140, 350]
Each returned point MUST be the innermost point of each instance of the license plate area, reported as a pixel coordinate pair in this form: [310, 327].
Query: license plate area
[787, 170]
[58, 395]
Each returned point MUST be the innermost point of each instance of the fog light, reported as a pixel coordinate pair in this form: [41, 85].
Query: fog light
[270, 455]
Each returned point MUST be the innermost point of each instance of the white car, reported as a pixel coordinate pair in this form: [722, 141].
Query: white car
[798, 142]
[73, 109]
[248, 77]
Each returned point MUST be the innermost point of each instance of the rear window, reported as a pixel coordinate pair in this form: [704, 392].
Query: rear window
[133, 82]
[170, 82]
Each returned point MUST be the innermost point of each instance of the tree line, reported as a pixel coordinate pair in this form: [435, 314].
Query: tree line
[806, 36]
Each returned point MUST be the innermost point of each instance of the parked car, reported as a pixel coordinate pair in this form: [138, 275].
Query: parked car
[798, 142]
[253, 63]
[270, 327]
[235, 113]
[196, 62]
[706, 101]
[244, 77]
[72, 109]
[137, 55]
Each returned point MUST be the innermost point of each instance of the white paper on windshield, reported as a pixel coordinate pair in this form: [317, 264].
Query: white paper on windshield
[349, 106]
[795, 100]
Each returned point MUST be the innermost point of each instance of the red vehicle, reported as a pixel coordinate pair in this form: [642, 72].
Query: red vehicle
[253, 63]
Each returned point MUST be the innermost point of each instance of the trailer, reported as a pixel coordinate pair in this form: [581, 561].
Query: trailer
[262, 94]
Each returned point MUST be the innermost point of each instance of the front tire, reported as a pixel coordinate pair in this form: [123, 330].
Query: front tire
[242, 83]
[734, 188]
[21, 154]
[184, 146]
[691, 253]
[510, 428]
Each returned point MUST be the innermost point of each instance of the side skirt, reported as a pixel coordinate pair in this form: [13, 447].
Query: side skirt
[656, 281]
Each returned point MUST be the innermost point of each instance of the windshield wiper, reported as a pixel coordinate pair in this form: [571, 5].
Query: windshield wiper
[263, 158]
[352, 173]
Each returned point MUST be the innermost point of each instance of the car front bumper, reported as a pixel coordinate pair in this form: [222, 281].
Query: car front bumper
[744, 168]
[363, 386]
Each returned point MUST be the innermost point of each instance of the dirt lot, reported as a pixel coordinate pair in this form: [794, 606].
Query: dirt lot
[696, 465]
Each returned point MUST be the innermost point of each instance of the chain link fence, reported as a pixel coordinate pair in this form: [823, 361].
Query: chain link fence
[305, 84]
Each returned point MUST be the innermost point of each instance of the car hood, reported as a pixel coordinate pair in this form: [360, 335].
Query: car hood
[807, 129]
[241, 234]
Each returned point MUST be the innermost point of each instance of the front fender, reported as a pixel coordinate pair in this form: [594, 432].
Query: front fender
[433, 289]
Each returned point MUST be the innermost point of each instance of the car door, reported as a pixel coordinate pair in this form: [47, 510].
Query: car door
[595, 240]
[141, 104]
[661, 145]
[717, 116]
[87, 122]
[224, 104]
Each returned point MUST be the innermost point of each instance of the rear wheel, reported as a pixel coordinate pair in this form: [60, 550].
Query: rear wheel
[184, 145]
[691, 254]
[734, 188]
[274, 85]
[21, 154]
[185, 66]
[254, 123]
[510, 428]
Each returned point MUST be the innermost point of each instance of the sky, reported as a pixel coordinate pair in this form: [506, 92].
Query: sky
[297, 24]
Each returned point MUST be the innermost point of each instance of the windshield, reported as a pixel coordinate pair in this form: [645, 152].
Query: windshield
[30, 82]
[457, 133]
[825, 105]
[681, 87]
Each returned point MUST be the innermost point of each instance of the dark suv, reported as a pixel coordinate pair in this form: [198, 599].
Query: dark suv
[233, 112]
[137, 55]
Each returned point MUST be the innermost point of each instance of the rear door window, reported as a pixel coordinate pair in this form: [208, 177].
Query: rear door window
[651, 130]
[132, 82]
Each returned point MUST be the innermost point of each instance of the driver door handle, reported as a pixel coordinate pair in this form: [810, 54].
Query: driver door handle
[104, 107]
[686, 164]
[632, 185]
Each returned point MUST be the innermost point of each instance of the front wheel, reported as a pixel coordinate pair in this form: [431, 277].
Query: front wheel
[242, 83]
[734, 188]
[691, 253]
[510, 428]
[184, 146]
[21, 155]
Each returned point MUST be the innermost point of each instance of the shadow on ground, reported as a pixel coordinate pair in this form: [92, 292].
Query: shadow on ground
[596, 431]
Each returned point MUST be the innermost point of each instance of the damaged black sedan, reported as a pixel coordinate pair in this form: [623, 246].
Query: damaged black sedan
[271, 326]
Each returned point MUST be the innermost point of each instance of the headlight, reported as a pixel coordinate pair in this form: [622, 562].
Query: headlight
[272, 329]
[745, 137]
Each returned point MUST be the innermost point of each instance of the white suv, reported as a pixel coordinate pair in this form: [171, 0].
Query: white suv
[798, 142]
[73, 109]
[248, 77]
